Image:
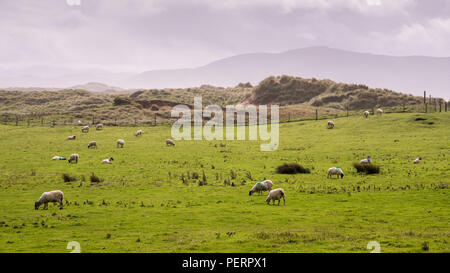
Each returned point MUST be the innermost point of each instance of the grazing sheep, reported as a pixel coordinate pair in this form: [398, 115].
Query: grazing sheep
[365, 161]
[92, 144]
[330, 124]
[170, 142]
[71, 137]
[99, 126]
[51, 196]
[379, 111]
[74, 157]
[138, 133]
[417, 160]
[120, 143]
[276, 194]
[259, 187]
[366, 114]
[56, 157]
[335, 171]
[85, 129]
[107, 161]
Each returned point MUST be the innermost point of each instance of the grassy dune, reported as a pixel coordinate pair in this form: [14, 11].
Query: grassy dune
[142, 205]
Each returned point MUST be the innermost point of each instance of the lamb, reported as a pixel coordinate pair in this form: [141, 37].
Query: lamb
[259, 187]
[365, 161]
[120, 143]
[417, 160]
[170, 142]
[276, 194]
[335, 171]
[71, 137]
[51, 196]
[56, 157]
[330, 124]
[85, 129]
[138, 133]
[74, 157]
[99, 126]
[107, 161]
[92, 144]
[379, 111]
[366, 114]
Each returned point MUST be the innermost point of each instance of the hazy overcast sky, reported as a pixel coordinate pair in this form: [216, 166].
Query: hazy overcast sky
[138, 35]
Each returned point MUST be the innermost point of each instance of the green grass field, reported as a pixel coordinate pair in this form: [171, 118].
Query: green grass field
[143, 206]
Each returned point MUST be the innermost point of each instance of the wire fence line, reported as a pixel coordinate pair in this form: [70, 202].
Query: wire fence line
[37, 119]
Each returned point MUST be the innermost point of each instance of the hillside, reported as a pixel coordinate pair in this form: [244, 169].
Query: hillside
[285, 90]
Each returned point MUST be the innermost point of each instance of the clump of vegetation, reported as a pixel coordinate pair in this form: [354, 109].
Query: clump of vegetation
[195, 175]
[425, 246]
[292, 168]
[68, 178]
[95, 179]
[366, 168]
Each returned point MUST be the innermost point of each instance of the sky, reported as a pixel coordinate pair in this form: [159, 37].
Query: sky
[139, 35]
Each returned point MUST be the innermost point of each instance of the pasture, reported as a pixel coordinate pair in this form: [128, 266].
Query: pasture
[143, 205]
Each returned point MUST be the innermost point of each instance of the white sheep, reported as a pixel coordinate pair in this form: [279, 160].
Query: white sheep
[107, 161]
[365, 160]
[330, 124]
[56, 157]
[366, 114]
[71, 137]
[51, 196]
[417, 160]
[259, 187]
[85, 129]
[276, 194]
[170, 142]
[120, 143]
[138, 133]
[92, 144]
[379, 111]
[335, 171]
[74, 157]
[99, 126]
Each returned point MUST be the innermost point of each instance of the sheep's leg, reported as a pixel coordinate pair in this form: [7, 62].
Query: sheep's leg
[45, 205]
[279, 201]
[284, 201]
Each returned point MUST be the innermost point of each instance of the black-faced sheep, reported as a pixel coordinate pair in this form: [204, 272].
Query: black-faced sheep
[85, 129]
[170, 142]
[51, 196]
[335, 171]
[138, 133]
[276, 194]
[92, 144]
[74, 157]
[365, 160]
[417, 160]
[71, 137]
[107, 161]
[366, 114]
[120, 143]
[259, 187]
[330, 124]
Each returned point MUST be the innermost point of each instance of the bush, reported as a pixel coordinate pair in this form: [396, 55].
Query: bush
[292, 168]
[68, 178]
[366, 168]
[95, 179]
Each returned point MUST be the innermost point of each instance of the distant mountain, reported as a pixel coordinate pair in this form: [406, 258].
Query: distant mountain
[410, 74]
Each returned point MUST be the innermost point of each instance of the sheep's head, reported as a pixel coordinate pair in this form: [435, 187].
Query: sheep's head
[36, 205]
[268, 201]
[250, 192]
[342, 175]
[111, 158]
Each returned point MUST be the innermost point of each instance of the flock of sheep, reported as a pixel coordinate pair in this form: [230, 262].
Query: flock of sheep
[259, 187]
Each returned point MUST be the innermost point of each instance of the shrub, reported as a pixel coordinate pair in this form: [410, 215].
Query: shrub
[366, 168]
[195, 175]
[292, 168]
[68, 178]
[94, 178]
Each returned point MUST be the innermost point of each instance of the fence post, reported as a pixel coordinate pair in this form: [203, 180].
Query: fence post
[424, 96]
[317, 114]
[115, 121]
[440, 106]
[426, 107]
[17, 120]
[93, 120]
[155, 119]
[347, 111]
[289, 116]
